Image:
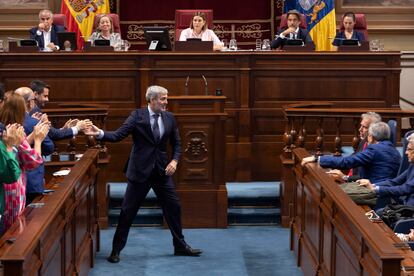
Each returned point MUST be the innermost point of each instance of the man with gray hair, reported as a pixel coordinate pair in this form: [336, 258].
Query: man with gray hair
[151, 127]
[402, 185]
[378, 161]
[46, 32]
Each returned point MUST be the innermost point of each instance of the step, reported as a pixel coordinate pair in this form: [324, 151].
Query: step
[253, 216]
[252, 203]
[116, 192]
[253, 193]
[145, 217]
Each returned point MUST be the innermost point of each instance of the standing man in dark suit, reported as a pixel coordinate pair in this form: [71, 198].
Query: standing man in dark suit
[293, 31]
[46, 32]
[149, 167]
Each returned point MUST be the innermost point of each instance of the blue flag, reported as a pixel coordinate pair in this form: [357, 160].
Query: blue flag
[320, 17]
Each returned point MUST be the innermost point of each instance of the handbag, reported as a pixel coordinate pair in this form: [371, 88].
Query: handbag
[361, 195]
[392, 213]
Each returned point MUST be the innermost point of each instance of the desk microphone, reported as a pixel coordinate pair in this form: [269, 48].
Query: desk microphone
[205, 83]
[186, 85]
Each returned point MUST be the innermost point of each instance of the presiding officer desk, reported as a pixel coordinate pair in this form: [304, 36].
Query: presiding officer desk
[256, 85]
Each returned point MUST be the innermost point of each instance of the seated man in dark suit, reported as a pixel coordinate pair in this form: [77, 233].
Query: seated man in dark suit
[46, 32]
[378, 161]
[402, 185]
[293, 31]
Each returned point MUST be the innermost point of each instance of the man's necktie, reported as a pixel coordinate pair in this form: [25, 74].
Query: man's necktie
[155, 127]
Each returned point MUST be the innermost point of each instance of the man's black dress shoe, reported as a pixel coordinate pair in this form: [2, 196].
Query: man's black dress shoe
[114, 257]
[187, 251]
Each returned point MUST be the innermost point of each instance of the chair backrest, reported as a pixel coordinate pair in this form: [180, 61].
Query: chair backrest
[404, 160]
[115, 21]
[183, 20]
[393, 131]
[360, 24]
[59, 19]
[283, 21]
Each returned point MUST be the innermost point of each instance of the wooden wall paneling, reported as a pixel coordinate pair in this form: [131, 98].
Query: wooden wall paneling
[254, 83]
[336, 237]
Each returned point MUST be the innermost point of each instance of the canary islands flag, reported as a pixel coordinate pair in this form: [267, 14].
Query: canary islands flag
[320, 17]
[80, 15]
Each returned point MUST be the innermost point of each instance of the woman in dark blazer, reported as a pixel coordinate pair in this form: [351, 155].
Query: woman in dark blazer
[348, 22]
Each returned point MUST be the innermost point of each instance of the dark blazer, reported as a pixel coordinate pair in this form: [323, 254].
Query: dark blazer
[35, 177]
[377, 162]
[402, 185]
[146, 153]
[341, 36]
[53, 35]
[302, 34]
[55, 134]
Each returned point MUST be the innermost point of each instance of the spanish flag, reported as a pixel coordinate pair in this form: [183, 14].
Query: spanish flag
[80, 15]
[320, 17]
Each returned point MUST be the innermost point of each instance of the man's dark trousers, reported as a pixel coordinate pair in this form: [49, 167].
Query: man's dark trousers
[135, 194]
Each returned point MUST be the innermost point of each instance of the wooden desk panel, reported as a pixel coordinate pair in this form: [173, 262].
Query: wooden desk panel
[256, 84]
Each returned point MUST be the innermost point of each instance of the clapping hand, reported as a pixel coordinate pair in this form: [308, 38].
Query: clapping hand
[13, 135]
[40, 131]
[70, 123]
[83, 125]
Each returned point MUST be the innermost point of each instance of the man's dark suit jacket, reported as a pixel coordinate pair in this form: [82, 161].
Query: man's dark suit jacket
[402, 185]
[303, 34]
[55, 134]
[53, 35]
[35, 177]
[146, 153]
[377, 162]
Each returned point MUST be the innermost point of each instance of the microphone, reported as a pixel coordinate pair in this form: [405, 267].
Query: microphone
[186, 85]
[205, 83]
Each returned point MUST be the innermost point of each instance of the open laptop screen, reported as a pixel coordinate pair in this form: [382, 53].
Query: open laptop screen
[67, 40]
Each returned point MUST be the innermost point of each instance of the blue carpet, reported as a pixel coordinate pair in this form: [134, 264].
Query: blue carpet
[233, 251]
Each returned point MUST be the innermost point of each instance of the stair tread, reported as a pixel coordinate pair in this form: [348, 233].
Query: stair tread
[250, 203]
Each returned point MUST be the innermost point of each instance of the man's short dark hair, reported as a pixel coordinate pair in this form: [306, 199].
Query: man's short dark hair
[294, 12]
[2, 90]
[38, 86]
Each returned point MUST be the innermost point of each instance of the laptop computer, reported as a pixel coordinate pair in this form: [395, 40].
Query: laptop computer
[67, 40]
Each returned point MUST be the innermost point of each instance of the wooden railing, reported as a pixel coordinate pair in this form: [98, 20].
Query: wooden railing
[62, 236]
[322, 128]
[331, 235]
[340, 123]
[67, 152]
[59, 114]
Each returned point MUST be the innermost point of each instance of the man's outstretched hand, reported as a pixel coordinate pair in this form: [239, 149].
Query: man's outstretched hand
[92, 131]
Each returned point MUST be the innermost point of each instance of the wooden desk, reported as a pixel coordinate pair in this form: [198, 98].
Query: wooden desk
[331, 235]
[256, 84]
[62, 237]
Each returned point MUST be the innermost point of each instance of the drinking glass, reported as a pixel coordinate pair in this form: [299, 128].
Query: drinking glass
[374, 45]
[258, 44]
[1, 45]
[266, 45]
[381, 45]
[233, 45]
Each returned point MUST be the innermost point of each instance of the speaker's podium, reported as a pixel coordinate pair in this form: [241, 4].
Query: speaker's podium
[200, 179]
